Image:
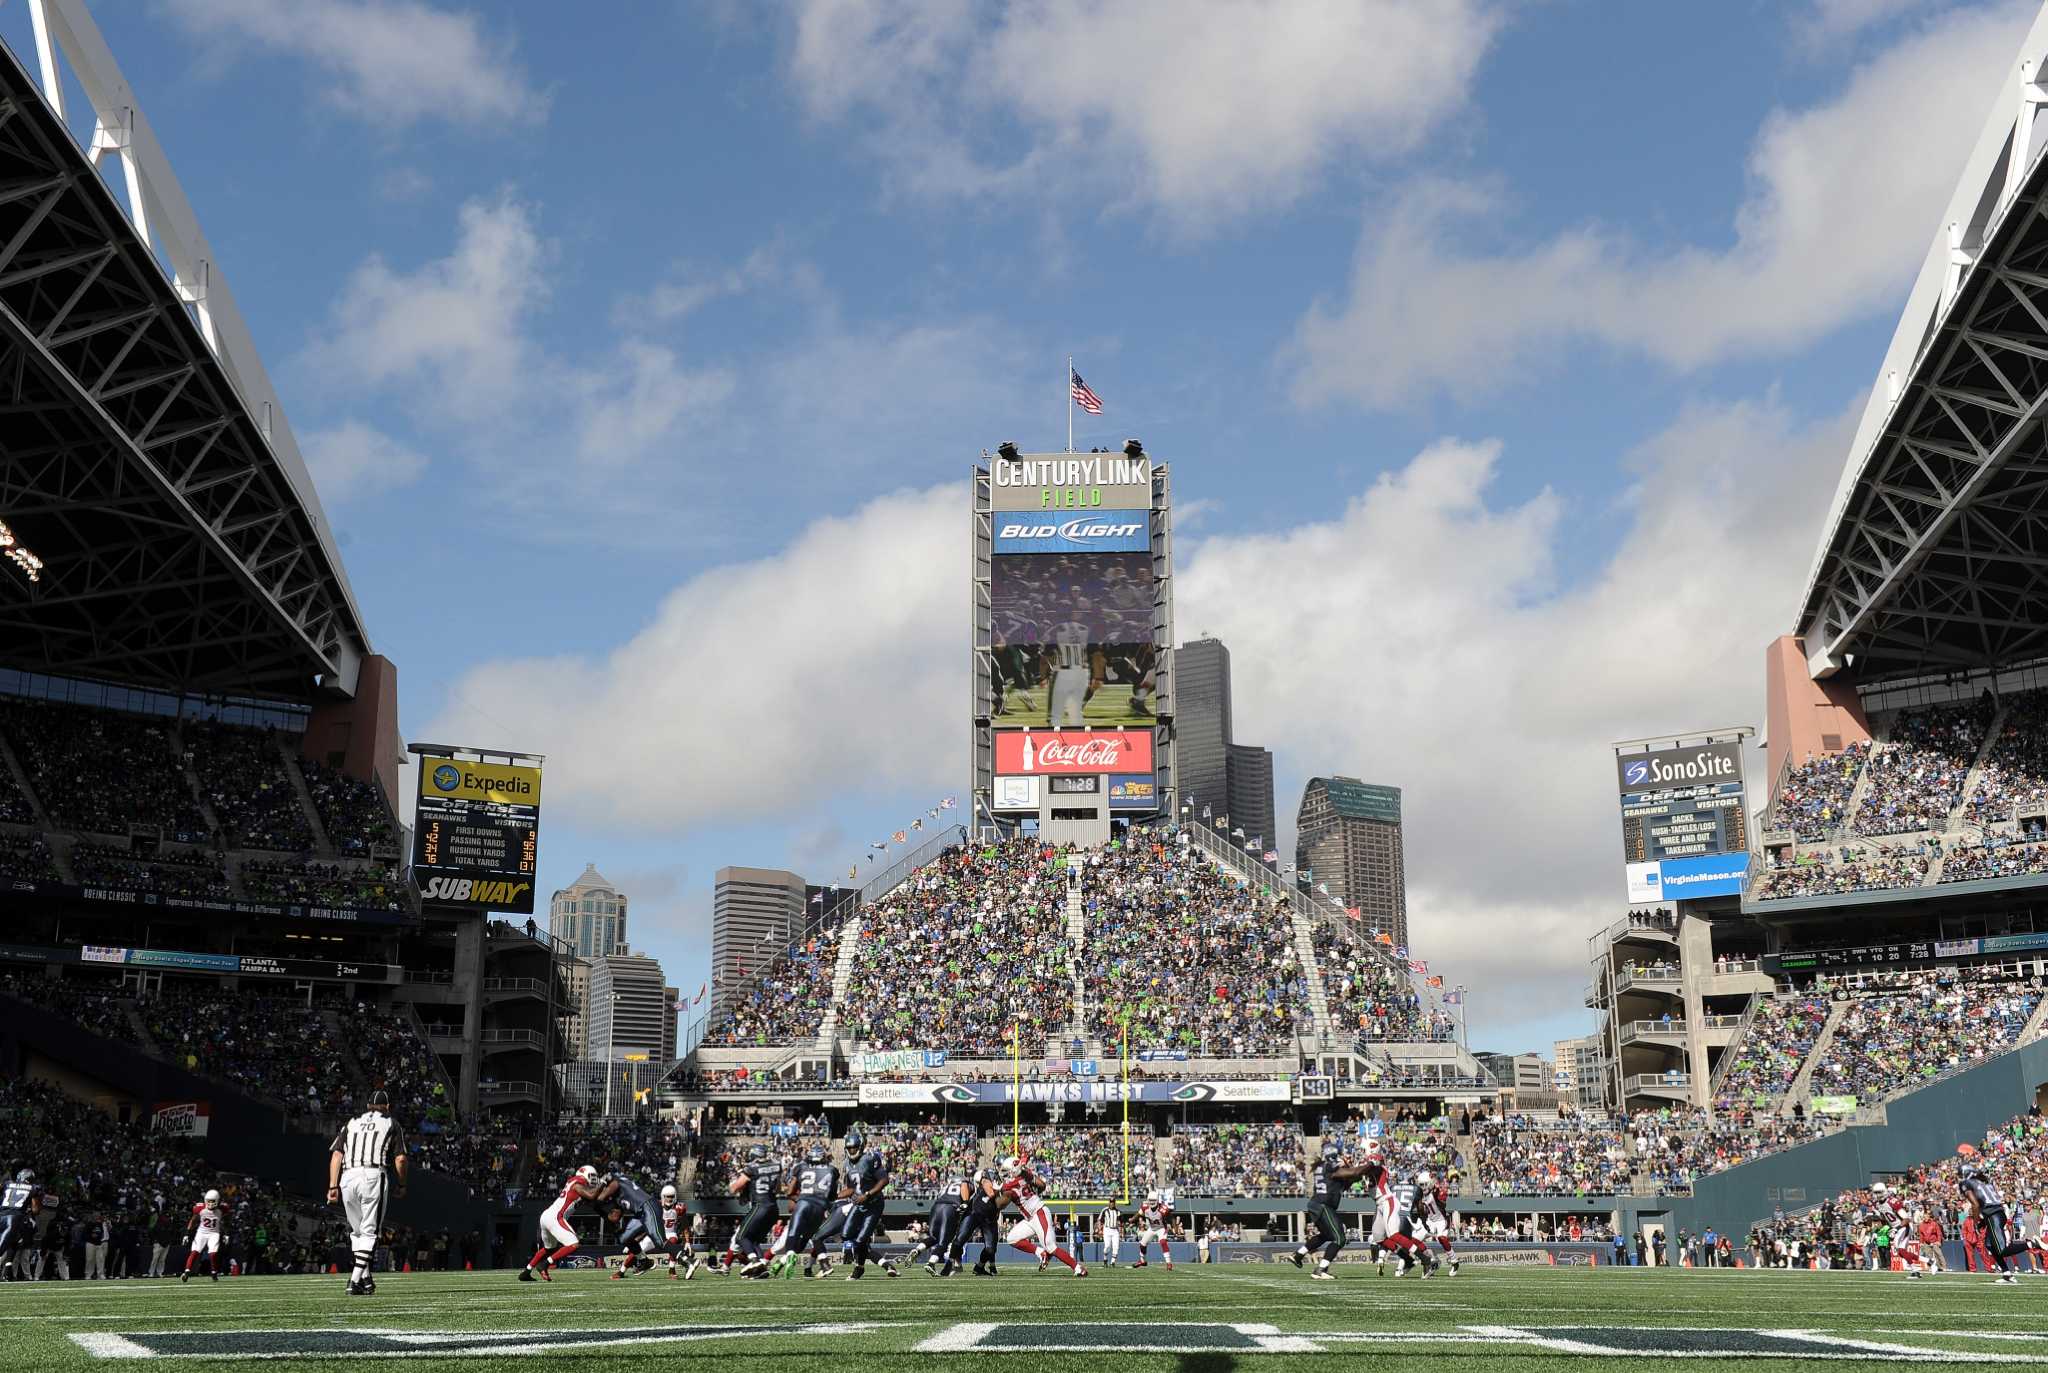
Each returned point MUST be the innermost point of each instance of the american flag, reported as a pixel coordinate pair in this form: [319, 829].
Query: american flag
[1084, 395]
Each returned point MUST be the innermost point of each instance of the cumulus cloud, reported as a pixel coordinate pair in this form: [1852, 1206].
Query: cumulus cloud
[1203, 108]
[1417, 639]
[1420, 637]
[389, 62]
[1828, 22]
[354, 460]
[1843, 200]
[759, 687]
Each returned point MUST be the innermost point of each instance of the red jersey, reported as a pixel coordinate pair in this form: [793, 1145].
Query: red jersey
[1022, 1189]
[574, 1190]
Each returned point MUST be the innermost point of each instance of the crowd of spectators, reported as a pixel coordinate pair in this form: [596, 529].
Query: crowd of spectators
[1997, 856]
[174, 872]
[1903, 1030]
[98, 1171]
[104, 772]
[1083, 1162]
[1187, 955]
[27, 856]
[1237, 1160]
[270, 1047]
[2014, 777]
[1838, 873]
[14, 807]
[394, 1058]
[1917, 777]
[925, 1154]
[649, 1151]
[322, 884]
[98, 1008]
[1679, 1144]
[1767, 1058]
[1370, 998]
[242, 775]
[352, 811]
[1814, 800]
[486, 1157]
[1568, 1157]
[787, 1002]
[970, 945]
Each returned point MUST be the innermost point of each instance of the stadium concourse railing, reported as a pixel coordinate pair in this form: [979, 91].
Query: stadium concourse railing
[1250, 865]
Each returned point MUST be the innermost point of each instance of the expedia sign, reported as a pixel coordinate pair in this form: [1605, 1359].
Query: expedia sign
[458, 779]
[1102, 531]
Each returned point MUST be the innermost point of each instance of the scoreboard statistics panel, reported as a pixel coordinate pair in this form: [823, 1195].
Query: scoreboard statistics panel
[1683, 822]
[476, 837]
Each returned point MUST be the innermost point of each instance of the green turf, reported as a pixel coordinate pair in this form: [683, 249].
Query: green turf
[1208, 1319]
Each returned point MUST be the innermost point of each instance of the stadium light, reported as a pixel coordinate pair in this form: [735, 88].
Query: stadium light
[1134, 448]
[26, 563]
[1006, 449]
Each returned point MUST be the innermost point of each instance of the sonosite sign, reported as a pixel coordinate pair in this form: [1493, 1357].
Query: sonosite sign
[1684, 832]
[476, 838]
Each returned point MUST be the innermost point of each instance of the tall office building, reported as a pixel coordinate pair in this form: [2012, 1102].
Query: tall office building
[755, 913]
[1213, 770]
[589, 915]
[671, 1012]
[575, 1018]
[629, 1008]
[1251, 793]
[1580, 1072]
[1348, 835]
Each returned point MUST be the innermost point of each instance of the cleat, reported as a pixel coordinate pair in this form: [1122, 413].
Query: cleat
[890, 1269]
[1323, 1275]
[185, 1276]
[357, 1289]
[526, 1275]
[1081, 1270]
[1454, 1268]
[1297, 1259]
[1044, 1262]
[1139, 1264]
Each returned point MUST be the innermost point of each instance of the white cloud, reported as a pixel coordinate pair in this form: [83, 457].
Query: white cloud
[1416, 638]
[455, 325]
[391, 62]
[1843, 201]
[688, 287]
[1829, 22]
[1204, 108]
[759, 688]
[353, 460]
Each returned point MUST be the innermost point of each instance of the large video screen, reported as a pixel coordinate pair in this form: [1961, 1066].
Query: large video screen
[476, 835]
[1071, 639]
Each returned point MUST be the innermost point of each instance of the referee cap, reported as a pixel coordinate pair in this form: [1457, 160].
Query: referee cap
[380, 1100]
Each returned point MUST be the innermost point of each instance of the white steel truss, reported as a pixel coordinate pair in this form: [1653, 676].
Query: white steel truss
[140, 439]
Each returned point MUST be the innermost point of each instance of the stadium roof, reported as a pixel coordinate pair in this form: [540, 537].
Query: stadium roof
[1935, 555]
[148, 463]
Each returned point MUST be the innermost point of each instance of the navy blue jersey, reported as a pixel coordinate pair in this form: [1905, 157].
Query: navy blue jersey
[1983, 1191]
[18, 1196]
[630, 1195]
[871, 1172]
[1324, 1185]
[817, 1182]
[764, 1181]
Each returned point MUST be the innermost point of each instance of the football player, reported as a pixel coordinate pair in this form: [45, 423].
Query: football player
[867, 1180]
[1329, 1180]
[21, 1201]
[203, 1236]
[813, 1188]
[677, 1237]
[1434, 1200]
[629, 1202]
[1155, 1218]
[1393, 1227]
[761, 1182]
[556, 1229]
[1034, 1232]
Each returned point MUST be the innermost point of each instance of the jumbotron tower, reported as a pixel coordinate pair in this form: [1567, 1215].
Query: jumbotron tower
[1072, 634]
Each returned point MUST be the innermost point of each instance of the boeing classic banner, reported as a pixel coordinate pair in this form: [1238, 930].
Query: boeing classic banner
[1070, 1093]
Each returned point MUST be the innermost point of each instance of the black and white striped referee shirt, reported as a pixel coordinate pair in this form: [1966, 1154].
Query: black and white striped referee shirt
[371, 1140]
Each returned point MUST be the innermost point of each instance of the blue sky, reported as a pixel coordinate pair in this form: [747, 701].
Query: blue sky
[1505, 355]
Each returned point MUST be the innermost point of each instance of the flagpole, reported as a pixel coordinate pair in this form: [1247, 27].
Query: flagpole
[1068, 389]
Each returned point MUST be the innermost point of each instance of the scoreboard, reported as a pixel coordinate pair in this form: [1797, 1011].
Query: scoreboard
[1683, 822]
[476, 835]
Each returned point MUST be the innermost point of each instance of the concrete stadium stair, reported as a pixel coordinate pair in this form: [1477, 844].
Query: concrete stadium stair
[842, 977]
[1857, 796]
[20, 776]
[1304, 945]
[1802, 1085]
[1077, 934]
[1976, 774]
[322, 844]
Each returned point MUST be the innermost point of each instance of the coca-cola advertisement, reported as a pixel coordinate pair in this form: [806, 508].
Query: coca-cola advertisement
[1051, 752]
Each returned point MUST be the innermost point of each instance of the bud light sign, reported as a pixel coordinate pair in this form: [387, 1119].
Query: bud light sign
[1053, 751]
[1053, 531]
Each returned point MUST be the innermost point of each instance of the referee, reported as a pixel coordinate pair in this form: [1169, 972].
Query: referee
[363, 1152]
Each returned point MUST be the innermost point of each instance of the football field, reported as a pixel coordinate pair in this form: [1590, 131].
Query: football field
[1191, 1320]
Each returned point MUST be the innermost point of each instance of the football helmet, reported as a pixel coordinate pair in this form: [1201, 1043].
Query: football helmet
[1423, 1179]
[212, 1196]
[1013, 1166]
[668, 1193]
[25, 1175]
[1374, 1152]
[817, 1154]
[587, 1172]
[758, 1154]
